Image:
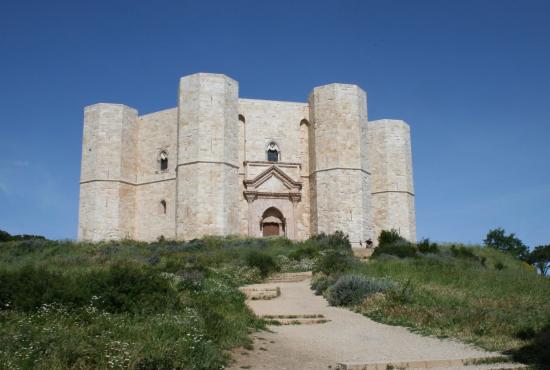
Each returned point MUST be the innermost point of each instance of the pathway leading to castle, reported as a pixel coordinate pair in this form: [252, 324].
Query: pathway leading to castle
[347, 337]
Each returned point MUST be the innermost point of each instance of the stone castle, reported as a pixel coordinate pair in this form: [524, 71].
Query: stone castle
[218, 165]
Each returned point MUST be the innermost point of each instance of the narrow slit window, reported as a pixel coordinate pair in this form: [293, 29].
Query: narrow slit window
[163, 161]
[163, 206]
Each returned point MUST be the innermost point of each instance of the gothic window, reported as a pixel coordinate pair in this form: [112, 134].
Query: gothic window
[163, 161]
[273, 154]
[163, 207]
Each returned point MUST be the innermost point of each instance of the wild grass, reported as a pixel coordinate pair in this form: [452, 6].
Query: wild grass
[478, 295]
[130, 305]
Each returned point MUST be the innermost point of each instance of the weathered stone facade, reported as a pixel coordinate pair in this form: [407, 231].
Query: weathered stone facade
[220, 165]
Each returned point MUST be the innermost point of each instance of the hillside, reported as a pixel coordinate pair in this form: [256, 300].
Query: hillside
[177, 304]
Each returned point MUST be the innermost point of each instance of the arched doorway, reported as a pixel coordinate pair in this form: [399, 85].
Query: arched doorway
[273, 223]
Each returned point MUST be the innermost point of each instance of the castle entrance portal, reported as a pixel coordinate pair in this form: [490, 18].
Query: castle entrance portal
[273, 223]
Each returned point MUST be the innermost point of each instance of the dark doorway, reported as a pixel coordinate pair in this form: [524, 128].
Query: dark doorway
[273, 223]
[271, 229]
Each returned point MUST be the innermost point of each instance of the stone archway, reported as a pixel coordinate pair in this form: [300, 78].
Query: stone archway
[273, 223]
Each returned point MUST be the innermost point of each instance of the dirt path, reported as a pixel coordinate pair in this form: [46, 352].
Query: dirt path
[346, 338]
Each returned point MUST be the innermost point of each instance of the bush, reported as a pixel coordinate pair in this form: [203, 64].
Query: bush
[352, 289]
[334, 261]
[119, 289]
[389, 237]
[401, 249]
[321, 282]
[463, 252]
[424, 246]
[338, 240]
[263, 261]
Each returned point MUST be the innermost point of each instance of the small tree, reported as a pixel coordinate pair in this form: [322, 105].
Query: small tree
[498, 239]
[4, 236]
[540, 258]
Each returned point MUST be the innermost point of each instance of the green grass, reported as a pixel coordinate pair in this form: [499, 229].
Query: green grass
[128, 304]
[484, 297]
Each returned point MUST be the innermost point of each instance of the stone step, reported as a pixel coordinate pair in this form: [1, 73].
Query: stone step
[489, 363]
[295, 319]
[261, 293]
[288, 277]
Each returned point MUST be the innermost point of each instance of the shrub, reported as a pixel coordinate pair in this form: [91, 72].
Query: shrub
[120, 289]
[263, 261]
[352, 289]
[306, 251]
[291, 265]
[424, 246]
[401, 249]
[463, 252]
[321, 282]
[338, 240]
[389, 237]
[334, 261]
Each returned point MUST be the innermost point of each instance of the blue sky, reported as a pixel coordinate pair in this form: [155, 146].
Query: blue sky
[471, 77]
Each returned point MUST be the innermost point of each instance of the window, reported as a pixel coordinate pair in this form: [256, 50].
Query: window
[272, 153]
[163, 161]
[163, 207]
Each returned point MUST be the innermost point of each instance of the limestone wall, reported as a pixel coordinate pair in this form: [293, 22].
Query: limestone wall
[340, 184]
[346, 174]
[286, 124]
[157, 133]
[108, 172]
[389, 144]
[208, 189]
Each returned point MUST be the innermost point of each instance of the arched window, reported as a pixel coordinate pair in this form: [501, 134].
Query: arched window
[163, 161]
[163, 207]
[273, 153]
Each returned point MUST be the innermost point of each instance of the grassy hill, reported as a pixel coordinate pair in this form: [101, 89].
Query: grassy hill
[130, 305]
[168, 305]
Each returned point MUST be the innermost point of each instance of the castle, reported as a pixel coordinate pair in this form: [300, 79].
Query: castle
[219, 165]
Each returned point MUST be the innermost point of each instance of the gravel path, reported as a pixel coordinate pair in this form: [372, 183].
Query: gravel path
[347, 337]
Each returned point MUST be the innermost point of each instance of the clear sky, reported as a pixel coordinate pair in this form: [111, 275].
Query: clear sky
[471, 77]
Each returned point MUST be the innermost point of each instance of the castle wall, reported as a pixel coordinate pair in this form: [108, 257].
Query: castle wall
[108, 172]
[280, 122]
[339, 182]
[389, 144]
[157, 133]
[208, 189]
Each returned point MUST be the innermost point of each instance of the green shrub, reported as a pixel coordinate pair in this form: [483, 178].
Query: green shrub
[424, 246]
[401, 249]
[291, 265]
[263, 261]
[338, 240]
[119, 288]
[334, 261]
[465, 253]
[321, 282]
[352, 289]
[388, 237]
